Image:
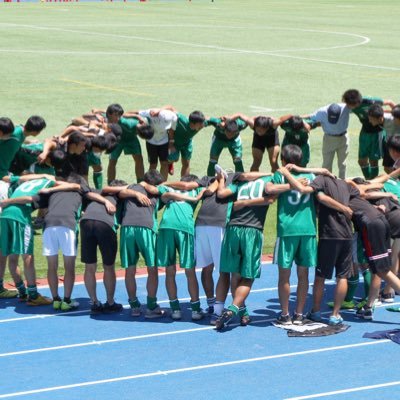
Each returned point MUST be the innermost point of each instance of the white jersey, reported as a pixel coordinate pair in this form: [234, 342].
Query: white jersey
[164, 121]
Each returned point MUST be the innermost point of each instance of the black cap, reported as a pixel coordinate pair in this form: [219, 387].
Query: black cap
[334, 111]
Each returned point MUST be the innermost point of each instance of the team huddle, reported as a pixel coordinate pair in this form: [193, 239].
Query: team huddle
[358, 219]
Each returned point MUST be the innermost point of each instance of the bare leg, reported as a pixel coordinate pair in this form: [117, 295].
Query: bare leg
[152, 281]
[193, 285]
[130, 282]
[109, 280]
[170, 282]
[208, 281]
[90, 281]
[52, 276]
[69, 275]
[284, 289]
[302, 288]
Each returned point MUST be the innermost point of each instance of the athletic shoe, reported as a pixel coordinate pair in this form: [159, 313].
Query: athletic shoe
[223, 321]
[171, 170]
[213, 319]
[57, 304]
[283, 320]
[386, 297]
[210, 310]
[69, 306]
[23, 297]
[155, 313]
[346, 305]
[8, 294]
[198, 315]
[220, 170]
[298, 319]
[176, 315]
[135, 312]
[112, 308]
[39, 301]
[245, 320]
[96, 308]
[333, 321]
[314, 316]
[365, 313]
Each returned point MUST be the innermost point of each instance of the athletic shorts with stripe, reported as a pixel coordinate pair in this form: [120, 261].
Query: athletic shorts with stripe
[16, 237]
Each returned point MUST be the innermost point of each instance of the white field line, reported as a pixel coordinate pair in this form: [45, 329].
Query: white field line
[351, 390]
[194, 368]
[128, 338]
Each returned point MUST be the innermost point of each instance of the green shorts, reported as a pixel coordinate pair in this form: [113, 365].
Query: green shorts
[234, 146]
[16, 237]
[94, 159]
[185, 151]
[300, 249]
[241, 251]
[132, 147]
[368, 146]
[136, 240]
[305, 149]
[168, 242]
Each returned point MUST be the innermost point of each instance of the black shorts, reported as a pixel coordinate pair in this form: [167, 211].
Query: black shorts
[98, 233]
[270, 139]
[387, 160]
[375, 235]
[393, 218]
[334, 253]
[157, 152]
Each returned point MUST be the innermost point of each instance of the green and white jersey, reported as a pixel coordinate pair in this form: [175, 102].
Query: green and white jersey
[362, 113]
[183, 133]
[22, 212]
[296, 211]
[128, 126]
[392, 186]
[254, 216]
[9, 148]
[219, 131]
[178, 215]
[297, 137]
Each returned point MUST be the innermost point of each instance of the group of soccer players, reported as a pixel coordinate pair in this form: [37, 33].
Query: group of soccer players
[227, 234]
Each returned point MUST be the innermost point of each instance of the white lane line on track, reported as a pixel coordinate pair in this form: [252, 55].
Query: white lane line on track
[194, 368]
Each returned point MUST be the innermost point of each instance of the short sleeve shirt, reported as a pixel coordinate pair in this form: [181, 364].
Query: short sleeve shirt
[390, 126]
[164, 121]
[9, 148]
[321, 116]
[219, 131]
[297, 137]
[362, 113]
[128, 126]
[183, 133]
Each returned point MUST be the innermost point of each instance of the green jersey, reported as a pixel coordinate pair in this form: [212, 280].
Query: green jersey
[128, 126]
[178, 215]
[296, 211]
[253, 216]
[219, 131]
[183, 133]
[362, 113]
[297, 137]
[22, 212]
[392, 186]
[9, 148]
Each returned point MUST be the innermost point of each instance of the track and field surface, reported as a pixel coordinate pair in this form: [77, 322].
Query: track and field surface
[72, 356]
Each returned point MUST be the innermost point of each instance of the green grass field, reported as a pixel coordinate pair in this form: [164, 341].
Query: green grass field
[270, 57]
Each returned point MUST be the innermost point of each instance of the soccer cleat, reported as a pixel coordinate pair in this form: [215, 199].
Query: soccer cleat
[23, 297]
[57, 304]
[298, 319]
[112, 308]
[96, 308]
[8, 294]
[176, 315]
[39, 301]
[386, 297]
[283, 320]
[365, 313]
[157, 312]
[135, 312]
[223, 321]
[314, 316]
[346, 305]
[220, 170]
[333, 321]
[171, 170]
[198, 315]
[245, 320]
[69, 306]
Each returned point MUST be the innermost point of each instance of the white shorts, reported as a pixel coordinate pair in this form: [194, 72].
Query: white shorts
[208, 245]
[57, 238]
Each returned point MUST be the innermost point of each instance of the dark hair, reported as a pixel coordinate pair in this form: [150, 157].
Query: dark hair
[146, 132]
[352, 97]
[35, 124]
[196, 117]
[114, 109]
[116, 130]
[375, 111]
[396, 111]
[296, 122]
[291, 154]
[153, 177]
[99, 142]
[112, 142]
[57, 159]
[73, 177]
[231, 126]
[263, 122]
[76, 137]
[359, 180]
[393, 142]
[189, 178]
[118, 182]
[6, 126]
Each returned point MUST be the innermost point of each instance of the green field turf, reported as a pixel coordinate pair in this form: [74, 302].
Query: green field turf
[255, 56]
